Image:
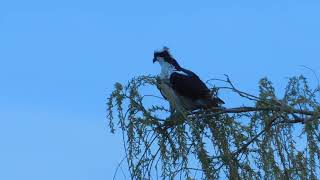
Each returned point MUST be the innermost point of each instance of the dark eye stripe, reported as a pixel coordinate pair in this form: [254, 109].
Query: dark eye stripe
[156, 54]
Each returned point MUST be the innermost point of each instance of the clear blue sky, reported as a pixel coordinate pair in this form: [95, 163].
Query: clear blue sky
[59, 60]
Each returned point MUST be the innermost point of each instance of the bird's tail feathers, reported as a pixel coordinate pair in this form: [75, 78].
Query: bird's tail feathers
[210, 103]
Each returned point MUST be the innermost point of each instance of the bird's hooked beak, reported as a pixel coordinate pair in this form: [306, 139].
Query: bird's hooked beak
[154, 60]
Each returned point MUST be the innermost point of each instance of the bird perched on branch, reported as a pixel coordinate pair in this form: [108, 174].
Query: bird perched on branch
[181, 87]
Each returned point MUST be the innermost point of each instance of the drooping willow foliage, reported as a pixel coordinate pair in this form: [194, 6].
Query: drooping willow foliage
[274, 138]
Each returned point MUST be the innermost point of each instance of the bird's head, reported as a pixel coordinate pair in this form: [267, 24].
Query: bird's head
[164, 56]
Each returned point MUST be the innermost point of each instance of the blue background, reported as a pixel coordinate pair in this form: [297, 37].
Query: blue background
[59, 60]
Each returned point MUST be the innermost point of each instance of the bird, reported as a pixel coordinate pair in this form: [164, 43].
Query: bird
[182, 87]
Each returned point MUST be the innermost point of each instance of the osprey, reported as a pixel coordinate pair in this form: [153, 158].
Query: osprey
[182, 87]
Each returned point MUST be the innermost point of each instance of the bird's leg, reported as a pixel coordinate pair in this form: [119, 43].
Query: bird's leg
[182, 111]
[171, 109]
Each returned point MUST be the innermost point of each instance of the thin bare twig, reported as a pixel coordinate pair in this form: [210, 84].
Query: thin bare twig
[118, 166]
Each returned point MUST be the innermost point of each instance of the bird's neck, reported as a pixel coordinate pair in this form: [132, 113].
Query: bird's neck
[166, 70]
